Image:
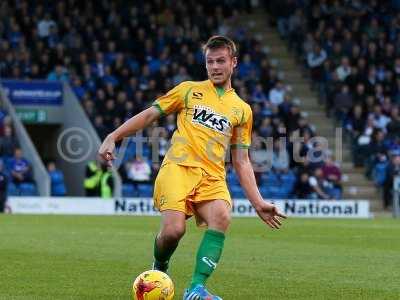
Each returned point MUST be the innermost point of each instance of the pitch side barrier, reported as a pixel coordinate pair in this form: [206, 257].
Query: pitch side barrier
[144, 207]
[396, 197]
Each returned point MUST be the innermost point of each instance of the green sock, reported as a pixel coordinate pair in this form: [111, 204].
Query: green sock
[208, 256]
[162, 256]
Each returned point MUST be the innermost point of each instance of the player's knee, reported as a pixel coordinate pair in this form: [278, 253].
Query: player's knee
[226, 220]
[173, 233]
[221, 222]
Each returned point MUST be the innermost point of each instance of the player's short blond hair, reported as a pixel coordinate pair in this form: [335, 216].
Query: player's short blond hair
[219, 41]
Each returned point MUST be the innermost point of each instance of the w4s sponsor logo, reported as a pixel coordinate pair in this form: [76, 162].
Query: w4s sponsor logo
[207, 117]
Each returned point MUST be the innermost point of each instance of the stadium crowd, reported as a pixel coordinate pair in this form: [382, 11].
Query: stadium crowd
[351, 49]
[119, 58]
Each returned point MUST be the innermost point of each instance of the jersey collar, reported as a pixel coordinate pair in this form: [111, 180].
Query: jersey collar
[230, 90]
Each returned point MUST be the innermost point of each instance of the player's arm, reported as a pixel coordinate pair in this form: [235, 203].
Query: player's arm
[128, 128]
[244, 170]
[166, 104]
[240, 143]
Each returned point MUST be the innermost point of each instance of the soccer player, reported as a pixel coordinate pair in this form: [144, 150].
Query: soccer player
[191, 180]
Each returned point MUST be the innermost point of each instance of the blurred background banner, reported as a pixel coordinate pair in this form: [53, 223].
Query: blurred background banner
[144, 207]
[37, 92]
[396, 197]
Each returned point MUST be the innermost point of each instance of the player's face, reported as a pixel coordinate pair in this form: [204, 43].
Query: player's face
[220, 65]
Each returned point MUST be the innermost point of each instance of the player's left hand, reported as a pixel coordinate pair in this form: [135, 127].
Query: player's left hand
[270, 214]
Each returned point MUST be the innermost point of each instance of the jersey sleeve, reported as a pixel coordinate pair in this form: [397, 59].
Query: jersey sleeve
[241, 136]
[172, 101]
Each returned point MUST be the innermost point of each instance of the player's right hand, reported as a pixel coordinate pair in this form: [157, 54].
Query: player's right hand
[270, 214]
[106, 151]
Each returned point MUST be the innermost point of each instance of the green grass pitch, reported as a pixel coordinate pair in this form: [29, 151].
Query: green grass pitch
[70, 257]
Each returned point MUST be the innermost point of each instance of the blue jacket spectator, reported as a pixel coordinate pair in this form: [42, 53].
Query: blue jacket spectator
[20, 168]
[58, 74]
[57, 180]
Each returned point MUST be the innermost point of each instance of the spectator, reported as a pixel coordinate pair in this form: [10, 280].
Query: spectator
[376, 151]
[138, 171]
[20, 168]
[318, 185]
[266, 129]
[333, 175]
[361, 145]
[159, 143]
[379, 119]
[92, 179]
[306, 145]
[343, 103]
[344, 69]
[303, 188]
[282, 10]
[285, 106]
[316, 154]
[59, 74]
[100, 128]
[181, 76]
[44, 26]
[355, 122]
[315, 61]
[56, 180]
[297, 26]
[106, 182]
[259, 95]
[280, 157]
[259, 158]
[277, 94]
[392, 171]
[292, 118]
[393, 127]
[8, 142]
[305, 127]
[246, 67]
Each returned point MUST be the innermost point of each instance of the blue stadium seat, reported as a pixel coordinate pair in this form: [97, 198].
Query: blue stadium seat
[289, 178]
[28, 189]
[335, 193]
[128, 190]
[269, 178]
[288, 183]
[145, 190]
[130, 151]
[237, 191]
[277, 192]
[232, 178]
[12, 190]
[265, 192]
[146, 151]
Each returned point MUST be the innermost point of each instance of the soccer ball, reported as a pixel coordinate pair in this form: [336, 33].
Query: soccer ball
[153, 285]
